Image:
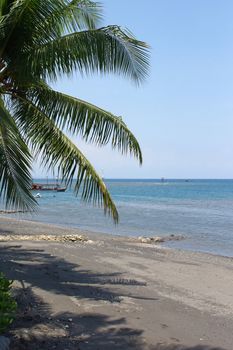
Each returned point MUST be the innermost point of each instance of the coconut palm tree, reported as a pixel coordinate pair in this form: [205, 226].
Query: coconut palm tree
[41, 41]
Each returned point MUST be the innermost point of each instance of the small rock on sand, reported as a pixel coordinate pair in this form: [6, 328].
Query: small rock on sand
[159, 239]
[145, 239]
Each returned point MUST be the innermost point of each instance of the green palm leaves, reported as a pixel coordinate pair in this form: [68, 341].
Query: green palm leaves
[41, 41]
[103, 50]
[15, 161]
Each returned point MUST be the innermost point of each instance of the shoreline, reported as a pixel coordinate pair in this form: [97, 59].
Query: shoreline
[106, 235]
[115, 293]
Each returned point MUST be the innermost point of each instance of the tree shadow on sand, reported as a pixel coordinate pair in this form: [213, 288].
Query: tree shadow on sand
[36, 328]
[59, 276]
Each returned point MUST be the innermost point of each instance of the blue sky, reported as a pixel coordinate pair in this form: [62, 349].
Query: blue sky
[182, 114]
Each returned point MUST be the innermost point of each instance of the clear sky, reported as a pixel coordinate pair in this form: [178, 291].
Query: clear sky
[183, 114]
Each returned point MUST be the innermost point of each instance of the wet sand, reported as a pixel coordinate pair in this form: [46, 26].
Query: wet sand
[115, 293]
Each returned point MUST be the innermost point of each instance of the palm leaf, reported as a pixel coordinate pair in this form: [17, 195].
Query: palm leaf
[104, 50]
[57, 151]
[3, 6]
[41, 41]
[92, 123]
[72, 16]
[30, 22]
[15, 165]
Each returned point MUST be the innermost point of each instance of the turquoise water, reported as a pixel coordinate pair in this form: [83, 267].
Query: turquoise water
[201, 210]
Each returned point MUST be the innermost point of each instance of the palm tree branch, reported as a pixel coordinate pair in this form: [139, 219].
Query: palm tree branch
[92, 123]
[108, 49]
[15, 164]
[72, 16]
[57, 150]
[11, 19]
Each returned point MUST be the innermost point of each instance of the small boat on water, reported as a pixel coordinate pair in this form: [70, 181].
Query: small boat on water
[48, 187]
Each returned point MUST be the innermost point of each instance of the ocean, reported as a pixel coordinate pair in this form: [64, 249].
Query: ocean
[201, 210]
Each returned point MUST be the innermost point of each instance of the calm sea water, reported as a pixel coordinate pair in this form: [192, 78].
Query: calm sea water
[201, 210]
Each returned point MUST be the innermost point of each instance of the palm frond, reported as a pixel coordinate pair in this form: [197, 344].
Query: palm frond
[57, 151]
[71, 16]
[37, 21]
[3, 7]
[104, 50]
[15, 165]
[40, 41]
[22, 19]
[80, 117]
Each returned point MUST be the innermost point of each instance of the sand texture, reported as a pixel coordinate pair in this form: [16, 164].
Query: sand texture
[115, 293]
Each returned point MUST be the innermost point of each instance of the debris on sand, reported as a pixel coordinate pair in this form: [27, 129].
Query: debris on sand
[159, 239]
[52, 238]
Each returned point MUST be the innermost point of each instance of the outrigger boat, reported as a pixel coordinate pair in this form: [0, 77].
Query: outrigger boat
[48, 187]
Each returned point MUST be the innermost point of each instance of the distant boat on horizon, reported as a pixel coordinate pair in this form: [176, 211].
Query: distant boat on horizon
[48, 187]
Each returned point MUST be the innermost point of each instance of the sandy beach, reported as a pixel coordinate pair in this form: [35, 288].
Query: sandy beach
[114, 293]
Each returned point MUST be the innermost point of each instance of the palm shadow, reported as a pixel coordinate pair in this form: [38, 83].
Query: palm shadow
[35, 327]
[63, 277]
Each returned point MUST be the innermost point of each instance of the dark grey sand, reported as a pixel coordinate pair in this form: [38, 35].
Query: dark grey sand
[113, 293]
